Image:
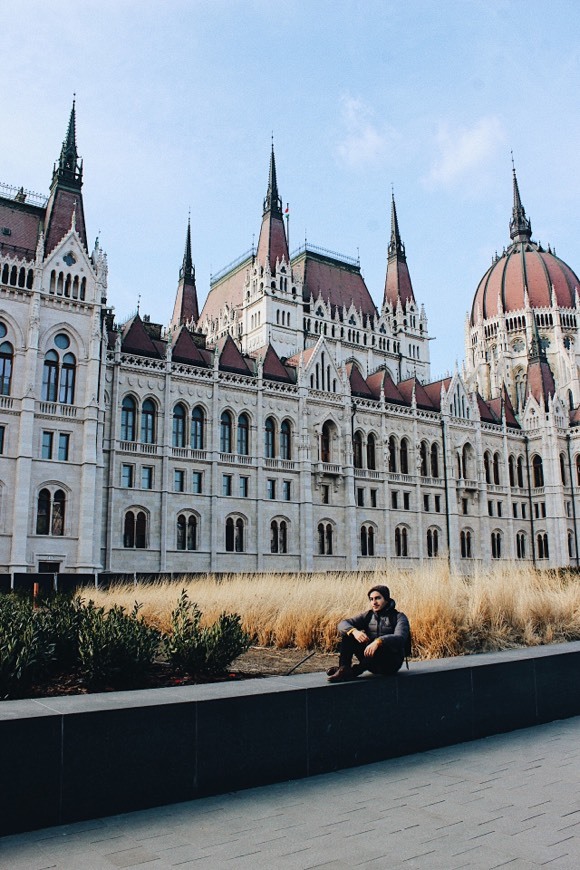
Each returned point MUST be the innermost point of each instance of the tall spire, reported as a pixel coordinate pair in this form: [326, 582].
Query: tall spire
[520, 226]
[272, 244]
[273, 202]
[64, 210]
[185, 309]
[398, 281]
[69, 169]
[187, 271]
[396, 246]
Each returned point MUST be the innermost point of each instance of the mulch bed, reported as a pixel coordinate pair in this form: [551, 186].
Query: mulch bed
[256, 662]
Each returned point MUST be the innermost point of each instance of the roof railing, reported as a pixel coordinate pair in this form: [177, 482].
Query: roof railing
[316, 249]
[19, 194]
[216, 276]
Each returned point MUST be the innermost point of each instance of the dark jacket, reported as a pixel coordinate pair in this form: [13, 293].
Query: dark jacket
[367, 622]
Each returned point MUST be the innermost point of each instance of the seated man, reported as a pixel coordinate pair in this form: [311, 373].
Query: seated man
[379, 639]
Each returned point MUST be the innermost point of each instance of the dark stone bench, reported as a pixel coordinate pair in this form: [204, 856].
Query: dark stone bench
[72, 758]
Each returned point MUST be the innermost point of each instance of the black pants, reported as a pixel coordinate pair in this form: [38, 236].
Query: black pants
[387, 659]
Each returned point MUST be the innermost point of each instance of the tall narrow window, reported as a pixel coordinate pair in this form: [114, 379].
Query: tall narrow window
[434, 460]
[178, 429]
[404, 456]
[148, 422]
[197, 421]
[226, 432]
[520, 472]
[392, 451]
[43, 512]
[50, 377]
[423, 455]
[496, 476]
[285, 440]
[128, 419]
[269, 438]
[239, 543]
[371, 452]
[58, 506]
[538, 471]
[67, 380]
[357, 449]
[6, 358]
[243, 435]
[325, 443]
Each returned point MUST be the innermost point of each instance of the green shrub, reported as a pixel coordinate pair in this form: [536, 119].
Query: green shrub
[26, 650]
[203, 650]
[115, 648]
[62, 617]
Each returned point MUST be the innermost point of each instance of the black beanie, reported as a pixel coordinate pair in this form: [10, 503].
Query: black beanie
[382, 590]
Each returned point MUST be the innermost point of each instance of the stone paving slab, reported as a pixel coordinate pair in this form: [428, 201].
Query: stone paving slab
[510, 801]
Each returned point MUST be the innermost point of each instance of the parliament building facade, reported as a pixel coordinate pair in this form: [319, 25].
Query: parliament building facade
[287, 425]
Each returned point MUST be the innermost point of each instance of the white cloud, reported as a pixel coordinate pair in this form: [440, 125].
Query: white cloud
[463, 149]
[364, 142]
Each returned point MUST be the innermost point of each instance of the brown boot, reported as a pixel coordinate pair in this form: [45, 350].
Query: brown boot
[342, 675]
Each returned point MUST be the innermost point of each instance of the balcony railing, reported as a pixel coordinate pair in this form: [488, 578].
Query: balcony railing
[58, 410]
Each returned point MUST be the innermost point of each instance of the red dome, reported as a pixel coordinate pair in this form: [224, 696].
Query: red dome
[525, 265]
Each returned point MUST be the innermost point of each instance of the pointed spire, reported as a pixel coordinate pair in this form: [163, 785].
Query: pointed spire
[273, 202]
[69, 169]
[187, 271]
[272, 243]
[520, 226]
[186, 309]
[396, 246]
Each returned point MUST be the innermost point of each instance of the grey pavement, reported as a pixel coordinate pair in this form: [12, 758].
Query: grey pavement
[508, 801]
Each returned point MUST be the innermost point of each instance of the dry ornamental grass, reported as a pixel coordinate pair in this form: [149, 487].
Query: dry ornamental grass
[500, 608]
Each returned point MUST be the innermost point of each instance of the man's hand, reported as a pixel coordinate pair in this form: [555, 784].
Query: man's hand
[360, 636]
[371, 649]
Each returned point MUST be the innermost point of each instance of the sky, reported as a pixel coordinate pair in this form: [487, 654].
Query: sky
[177, 102]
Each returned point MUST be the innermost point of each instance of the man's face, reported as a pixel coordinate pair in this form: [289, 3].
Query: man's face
[377, 601]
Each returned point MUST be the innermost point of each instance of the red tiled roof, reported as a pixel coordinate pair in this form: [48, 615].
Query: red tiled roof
[398, 283]
[382, 381]
[228, 289]
[433, 390]
[185, 349]
[340, 284]
[136, 340]
[486, 412]
[306, 354]
[422, 398]
[540, 381]
[358, 385]
[272, 244]
[524, 265]
[230, 358]
[273, 369]
[59, 214]
[24, 222]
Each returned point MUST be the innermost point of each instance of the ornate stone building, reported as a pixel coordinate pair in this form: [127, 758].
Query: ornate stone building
[289, 425]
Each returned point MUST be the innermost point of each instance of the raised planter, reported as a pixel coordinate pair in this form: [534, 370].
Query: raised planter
[71, 758]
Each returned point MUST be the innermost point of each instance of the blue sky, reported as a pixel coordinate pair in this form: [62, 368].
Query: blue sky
[177, 102]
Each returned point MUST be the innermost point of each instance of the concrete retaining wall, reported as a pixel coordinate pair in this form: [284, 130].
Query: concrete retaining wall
[71, 758]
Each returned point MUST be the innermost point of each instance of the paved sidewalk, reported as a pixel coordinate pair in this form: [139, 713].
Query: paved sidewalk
[508, 801]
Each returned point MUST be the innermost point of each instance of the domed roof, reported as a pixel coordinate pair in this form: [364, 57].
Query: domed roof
[524, 266]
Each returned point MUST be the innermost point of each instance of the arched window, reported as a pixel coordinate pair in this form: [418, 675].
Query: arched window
[521, 545]
[243, 434]
[197, 426]
[325, 443]
[496, 477]
[178, 432]
[496, 545]
[371, 452]
[50, 376]
[239, 539]
[404, 456]
[67, 380]
[571, 545]
[401, 541]
[512, 470]
[135, 530]
[286, 440]
[148, 422]
[226, 432]
[357, 449]
[487, 466]
[423, 456]
[563, 474]
[542, 541]
[186, 532]
[465, 543]
[520, 470]
[392, 451]
[538, 470]
[270, 438]
[432, 543]
[229, 535]
[278, 536]
[367, 541]
[434, 460]
[50, 513]
[283, 539]
[273, 536]
[6, 359]
[466, 459]
[128, 418]
[325, 539]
